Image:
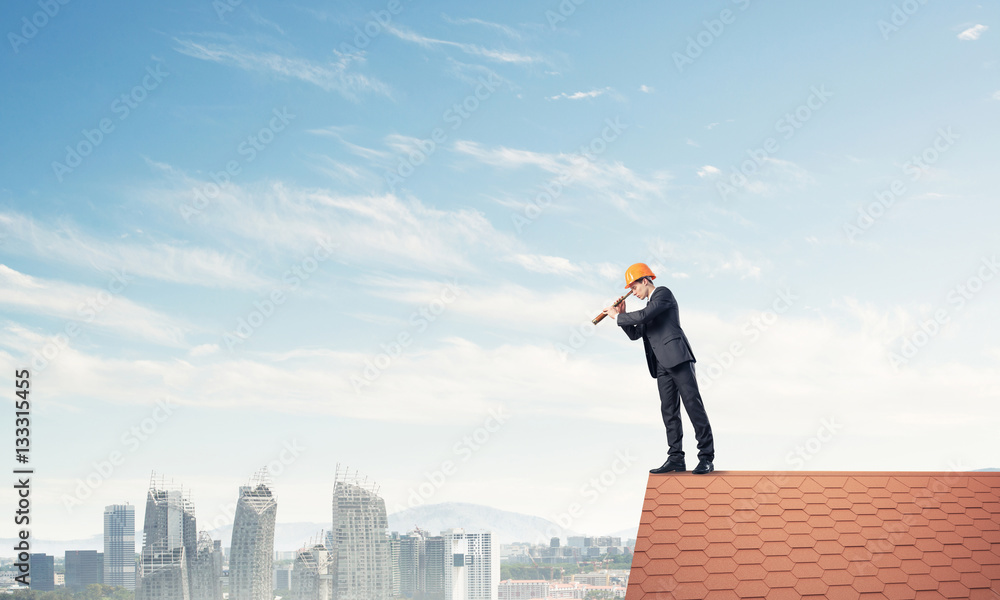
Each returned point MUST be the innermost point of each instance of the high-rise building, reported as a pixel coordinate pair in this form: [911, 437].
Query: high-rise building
[43, 572]
[205, 569]
[361, 545]
[394, 546]
[313, 574]
[119, 546]
[283, 578]
[437, 567]
[455, 565]
[475, 565]
[251, 557]
[411, 564]
[83, 568]
[163, 574]
[169, 540]
[456, 577]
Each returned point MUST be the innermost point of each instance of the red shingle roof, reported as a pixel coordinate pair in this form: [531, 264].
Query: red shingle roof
[830, 535]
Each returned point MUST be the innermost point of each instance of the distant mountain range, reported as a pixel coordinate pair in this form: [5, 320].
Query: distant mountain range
[508, 527]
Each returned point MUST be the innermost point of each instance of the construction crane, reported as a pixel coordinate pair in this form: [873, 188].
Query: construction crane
[535, 564]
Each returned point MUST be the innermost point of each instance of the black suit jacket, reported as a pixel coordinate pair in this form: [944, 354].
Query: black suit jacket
[659, 326]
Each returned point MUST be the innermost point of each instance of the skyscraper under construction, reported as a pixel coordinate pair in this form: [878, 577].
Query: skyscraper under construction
[314, 573]
[169, 537]
[360, 541]
[252, 553]
[173, 564]
[205, 569]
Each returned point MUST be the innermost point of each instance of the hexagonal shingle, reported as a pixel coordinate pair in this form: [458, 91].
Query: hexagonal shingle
[780, 579]
[720, 549]
[694, 590]
[808, 572]
[775, 564]
[690, 574]
[751, 589]
[720, 535]
[818, 535]
[721, 581]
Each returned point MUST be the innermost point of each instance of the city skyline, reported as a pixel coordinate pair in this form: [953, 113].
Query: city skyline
[236, 235]
[120, 530]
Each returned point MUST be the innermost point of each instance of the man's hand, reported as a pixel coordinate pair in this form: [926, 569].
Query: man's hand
[614, 311]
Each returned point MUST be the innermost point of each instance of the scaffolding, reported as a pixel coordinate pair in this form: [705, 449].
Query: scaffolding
[361, 546]
[169, 541]
[314, 573]
[251, 557]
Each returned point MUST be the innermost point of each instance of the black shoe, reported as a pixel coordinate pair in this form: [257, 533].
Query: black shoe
[704, 466]
[669, 466]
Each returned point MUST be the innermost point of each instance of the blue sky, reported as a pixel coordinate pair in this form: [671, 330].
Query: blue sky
[374, 234]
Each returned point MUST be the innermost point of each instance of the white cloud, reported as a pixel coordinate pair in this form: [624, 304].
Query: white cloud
[405, 144]
[836, 362]
[738, 264]
[615, 182]
[78, 305]
[474, 74]
[777, 175]
[996, 95]
[705, 253]
[383, 229]
[608, 271]
[504, 29]
[973, 33]
[347, 175]
[165, 261]
[795, 373]
[505, 157]
[256, 17]
[691, 142]
[363, 152]
[506, 306]
[581, 95]
[203, 350]
[538, 263]
[336, 75]
[645, 89]
[708, 171]
[503, 56]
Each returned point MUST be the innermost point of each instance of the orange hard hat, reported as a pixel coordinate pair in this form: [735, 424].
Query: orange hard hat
[637, 271]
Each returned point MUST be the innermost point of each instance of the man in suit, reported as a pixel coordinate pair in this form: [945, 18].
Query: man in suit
[671, 363]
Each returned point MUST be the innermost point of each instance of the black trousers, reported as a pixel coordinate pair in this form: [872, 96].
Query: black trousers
[680, 380]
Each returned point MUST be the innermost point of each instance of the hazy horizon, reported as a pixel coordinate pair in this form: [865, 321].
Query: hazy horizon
[294, 236]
